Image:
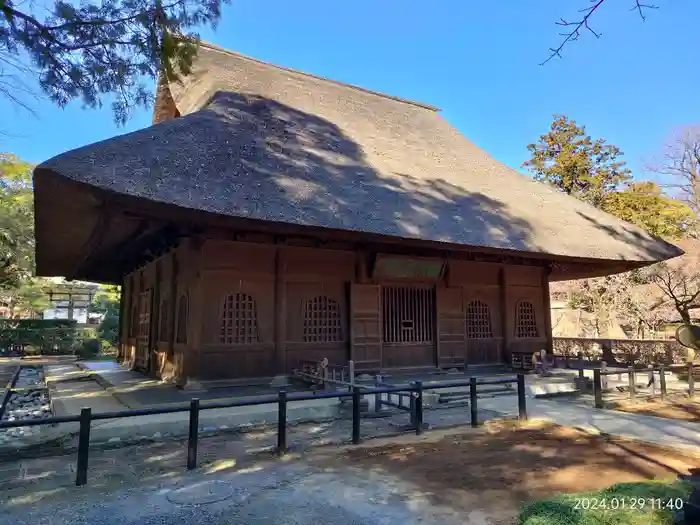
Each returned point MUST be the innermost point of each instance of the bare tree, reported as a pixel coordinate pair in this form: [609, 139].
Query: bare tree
[680, 285]
[582, 24]
[678, 280]
[680, 164]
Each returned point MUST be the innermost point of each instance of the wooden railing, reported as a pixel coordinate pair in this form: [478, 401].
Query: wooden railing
[621, 351]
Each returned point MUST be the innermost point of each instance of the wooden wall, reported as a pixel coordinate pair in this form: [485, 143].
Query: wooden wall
[158, 286]
[282, 284]
[525, 285]
[250, 309]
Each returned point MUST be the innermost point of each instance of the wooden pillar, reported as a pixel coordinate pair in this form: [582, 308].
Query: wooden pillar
[195, 309]
[172, 317]
[361, 271]
[123, 321]
[506, 328]
[153, 334]
[547, 310]
[280, 314]
[361, 277]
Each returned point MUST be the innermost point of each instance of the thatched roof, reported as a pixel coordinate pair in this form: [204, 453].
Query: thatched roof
[257, 141]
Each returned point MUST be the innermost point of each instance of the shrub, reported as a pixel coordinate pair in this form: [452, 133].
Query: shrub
[88, 349]
[45, 336]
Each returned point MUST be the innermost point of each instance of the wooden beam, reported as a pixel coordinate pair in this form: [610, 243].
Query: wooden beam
[195, 309]
[362, 272]
[280, 312]
[145, 246]
[503, 289]
[153, 334]
[547, 307]
[174, 273]
[123, 323]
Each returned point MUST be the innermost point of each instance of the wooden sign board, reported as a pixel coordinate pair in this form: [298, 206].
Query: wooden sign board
[386, 267]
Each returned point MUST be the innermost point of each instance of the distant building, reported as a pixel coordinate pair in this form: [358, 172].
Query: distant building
[71, 300]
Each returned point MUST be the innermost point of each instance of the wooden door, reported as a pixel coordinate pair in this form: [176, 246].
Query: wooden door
[408, 326]
[451, 327]
[141, 361]
[366, 326]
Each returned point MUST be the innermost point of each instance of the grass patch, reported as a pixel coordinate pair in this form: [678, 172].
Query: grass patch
[621, 504]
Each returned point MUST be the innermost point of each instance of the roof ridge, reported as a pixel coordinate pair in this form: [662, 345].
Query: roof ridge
[220, 49]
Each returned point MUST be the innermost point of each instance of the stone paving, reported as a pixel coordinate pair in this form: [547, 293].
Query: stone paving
[29, 400]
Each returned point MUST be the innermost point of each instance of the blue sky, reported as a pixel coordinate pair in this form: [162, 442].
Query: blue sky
[478, 61]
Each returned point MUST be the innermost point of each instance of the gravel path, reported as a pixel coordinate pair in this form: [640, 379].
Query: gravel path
[294, 493]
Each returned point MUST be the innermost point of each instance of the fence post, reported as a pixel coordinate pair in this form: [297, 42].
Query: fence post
[377, 397]
[324, 378]
[472, 402]
[662, 382]
[355, 415]
[412, 408]
[281, 422]
[193, 435]
[351, 373]
[522, 403]
[597, 388]
[604, 376]
[630, 382]
[691, 381]
[419, 407]
[83, 446]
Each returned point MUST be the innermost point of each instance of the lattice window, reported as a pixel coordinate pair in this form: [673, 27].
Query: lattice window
[163, 331]
[181, 331]
[408, 314]
[525, 321]
[322, 321]
[478, 320]
[239, 320]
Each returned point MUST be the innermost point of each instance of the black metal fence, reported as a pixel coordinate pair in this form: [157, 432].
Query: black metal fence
[282, 399]
[631, 373]
[8, 391]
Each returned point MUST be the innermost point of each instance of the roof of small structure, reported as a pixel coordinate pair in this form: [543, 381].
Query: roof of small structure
[262, 142]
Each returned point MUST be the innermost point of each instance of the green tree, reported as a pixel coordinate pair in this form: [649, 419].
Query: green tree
[570, 160]
[16, 221]
[87, 50]
[27, 297]
[645, 205]
[106, 302]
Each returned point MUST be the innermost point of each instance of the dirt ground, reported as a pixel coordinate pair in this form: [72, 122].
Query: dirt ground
[473, 476]
[508, 465]
[678, 406]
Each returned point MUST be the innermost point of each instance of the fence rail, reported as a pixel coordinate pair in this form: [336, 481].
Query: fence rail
[8, 391]
[624, 351]
[282, 399]
[599, 382]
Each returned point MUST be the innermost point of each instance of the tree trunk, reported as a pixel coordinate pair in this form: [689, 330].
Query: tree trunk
[685, 314]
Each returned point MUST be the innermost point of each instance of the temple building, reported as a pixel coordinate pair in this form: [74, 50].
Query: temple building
[270, 216]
